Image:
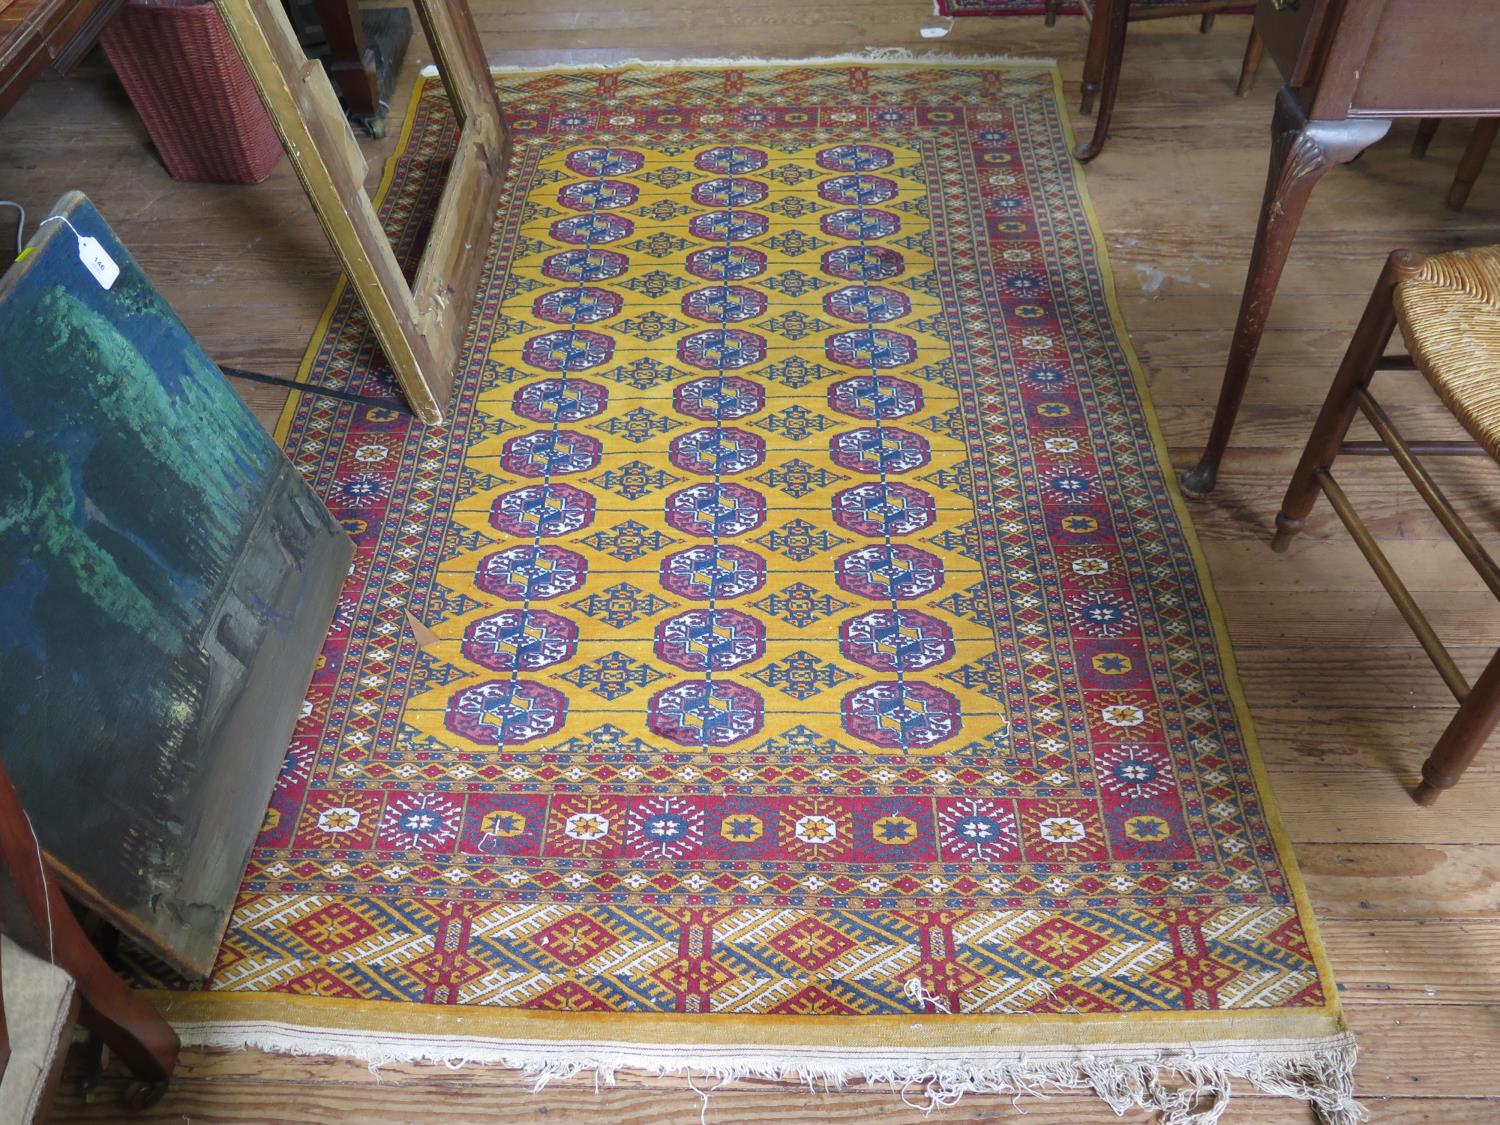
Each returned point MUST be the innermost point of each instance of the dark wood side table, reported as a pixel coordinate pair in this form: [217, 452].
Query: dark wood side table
[1351, 66]
[42, 36]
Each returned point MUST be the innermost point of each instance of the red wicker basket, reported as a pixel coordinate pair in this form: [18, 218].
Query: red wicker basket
[180, 67]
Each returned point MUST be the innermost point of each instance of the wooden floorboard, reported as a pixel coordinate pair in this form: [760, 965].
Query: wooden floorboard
[1345, 705]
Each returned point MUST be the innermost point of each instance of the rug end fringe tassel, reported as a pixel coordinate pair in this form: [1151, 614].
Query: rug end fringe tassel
[872, 55]
[1183, 1086]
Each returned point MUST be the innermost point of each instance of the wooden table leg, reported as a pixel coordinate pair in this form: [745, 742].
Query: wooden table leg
[351, 64]
[1110, 20]
[1301, 151]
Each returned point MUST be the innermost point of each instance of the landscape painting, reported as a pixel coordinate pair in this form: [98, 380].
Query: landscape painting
[166, 581]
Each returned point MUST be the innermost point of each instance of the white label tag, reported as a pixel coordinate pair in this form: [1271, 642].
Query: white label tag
[97, 261]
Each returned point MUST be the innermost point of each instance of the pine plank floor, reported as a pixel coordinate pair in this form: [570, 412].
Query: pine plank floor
[1345, 705]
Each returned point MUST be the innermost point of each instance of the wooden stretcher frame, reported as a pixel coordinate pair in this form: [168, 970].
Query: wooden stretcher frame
[421, 326]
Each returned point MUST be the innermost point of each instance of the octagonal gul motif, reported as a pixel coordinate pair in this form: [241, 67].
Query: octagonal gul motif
[722, 349]
[592, 229]
[867, 304]
[531, 573]
[864, 263]
[716, 509]
[717, 451]
[901, 715]
[856, 158]
[580, 304]
[598, 195]
[896, 640]
[713, 573]
[730, 160]
[718, 398]
[724, 304]
[705, 714]
[506, 712]
[875, 397]
[879, 449]
[729, 226]
[585, 265]
[542, 510]
[604, 161]
[729, 191]
[871, 348]
[883, 509]
[858, 190]
[710, 640]
[889, 572]
[570, 349]
[726, 263]
[859, 224]
[559, 400]
[546, 453]
[519, 640]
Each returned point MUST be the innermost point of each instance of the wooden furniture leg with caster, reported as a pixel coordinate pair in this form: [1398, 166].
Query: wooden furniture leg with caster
[1448, 308]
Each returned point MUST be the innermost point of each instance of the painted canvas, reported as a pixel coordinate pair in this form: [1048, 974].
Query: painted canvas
[166, 579]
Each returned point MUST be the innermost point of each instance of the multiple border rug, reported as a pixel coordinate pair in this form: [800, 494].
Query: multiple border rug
[792, 658]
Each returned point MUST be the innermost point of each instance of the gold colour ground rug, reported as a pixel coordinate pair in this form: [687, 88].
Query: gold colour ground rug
[825, 682]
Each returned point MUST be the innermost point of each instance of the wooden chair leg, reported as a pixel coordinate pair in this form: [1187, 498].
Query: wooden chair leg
[1426, 129]
[1096, 55]
[1356, 370]
[45, 924]
[1206, 24]
[1464, 736]
[1475, 154]
[1255, 47]
[1110, 20]
[1050, 13]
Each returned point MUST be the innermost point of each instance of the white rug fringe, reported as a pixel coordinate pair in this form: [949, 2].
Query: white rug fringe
[1183, 1085]
[874, 56]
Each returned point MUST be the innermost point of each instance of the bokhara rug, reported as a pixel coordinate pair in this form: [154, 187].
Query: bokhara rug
[790, 658]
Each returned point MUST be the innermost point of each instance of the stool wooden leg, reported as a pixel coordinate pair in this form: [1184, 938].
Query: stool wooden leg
[1255, 47]
[1472, 163]
[1050, 13]
[1356, 370]
[1465, 735]
[1206, 24]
